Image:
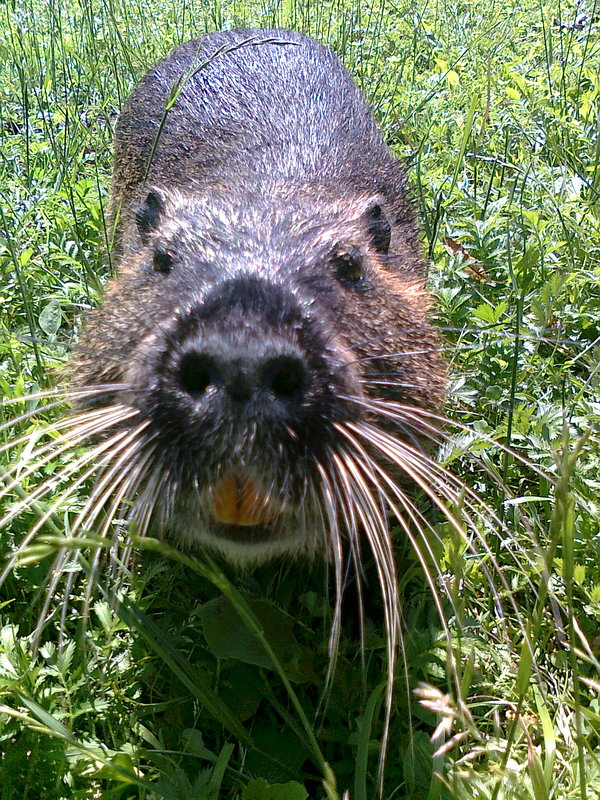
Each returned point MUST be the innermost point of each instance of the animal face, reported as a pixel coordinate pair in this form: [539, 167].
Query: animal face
[245, 330]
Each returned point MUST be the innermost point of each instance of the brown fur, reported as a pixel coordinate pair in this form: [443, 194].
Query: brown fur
[247, 188]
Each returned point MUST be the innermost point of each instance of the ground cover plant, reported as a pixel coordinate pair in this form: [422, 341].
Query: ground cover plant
[170, 690]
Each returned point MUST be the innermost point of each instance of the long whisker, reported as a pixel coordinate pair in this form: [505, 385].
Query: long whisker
[67, 393]
[121, 467]
[133, 477]
[86, 426]
[55, 426]
[374, 525]
[141, 511]
[445, 479]
[394, 410]
[404, 416]
[328, 502]
[484, 333]
[396, 451]
[66, 472]
[113, 445]
[367, 462]
[455, 397]
[125, 447]
[415, 516]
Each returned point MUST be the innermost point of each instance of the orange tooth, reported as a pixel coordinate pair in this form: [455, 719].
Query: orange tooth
[224, 499]
[238, 501]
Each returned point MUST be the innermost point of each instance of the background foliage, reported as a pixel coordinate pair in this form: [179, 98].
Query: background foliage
[496, 109]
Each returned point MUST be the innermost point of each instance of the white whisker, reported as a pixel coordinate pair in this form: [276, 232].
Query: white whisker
[86, 426]
[130, 482]
[374, 526]
[112, 446]
[58, 568]
[452, 489]
[66, 395]
[335, 543]
[402, 454]
[55, 480]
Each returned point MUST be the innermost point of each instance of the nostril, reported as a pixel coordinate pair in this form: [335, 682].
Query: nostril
[197, 371]
[282, 376]
[285, 376]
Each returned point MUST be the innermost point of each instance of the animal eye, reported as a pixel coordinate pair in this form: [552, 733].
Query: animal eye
[349, 266]
[162, 261]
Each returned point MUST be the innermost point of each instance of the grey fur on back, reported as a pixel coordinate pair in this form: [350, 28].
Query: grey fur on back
[254, 106]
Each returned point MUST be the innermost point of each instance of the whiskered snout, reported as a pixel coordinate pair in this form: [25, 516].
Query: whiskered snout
[239, 355]
[246, 377]
[242, 391]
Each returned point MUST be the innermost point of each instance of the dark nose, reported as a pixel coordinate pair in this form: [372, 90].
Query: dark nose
[243, 373]
[242, 345]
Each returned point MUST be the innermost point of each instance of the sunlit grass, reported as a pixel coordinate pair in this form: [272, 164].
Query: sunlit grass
[496, 109]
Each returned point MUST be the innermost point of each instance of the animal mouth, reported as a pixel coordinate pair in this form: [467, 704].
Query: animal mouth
[237, 502]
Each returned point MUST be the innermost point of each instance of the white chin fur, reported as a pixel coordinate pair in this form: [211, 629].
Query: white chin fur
[192, 535]
[244, 554]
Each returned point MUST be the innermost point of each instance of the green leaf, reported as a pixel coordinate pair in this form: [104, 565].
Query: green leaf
[213, 787]
[418, 765]
[195, 680]
[279, 751]
[194, 744]
[488, 313]
[364, 738]
[536, 775]
[25, 256]
[452, 77]
[529, 259]
[124, 769]
[228, 637]
[51, 318]
[524, 671]
[579, 571]
[259, 789]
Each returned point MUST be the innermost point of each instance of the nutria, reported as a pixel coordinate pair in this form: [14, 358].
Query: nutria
[269, 297]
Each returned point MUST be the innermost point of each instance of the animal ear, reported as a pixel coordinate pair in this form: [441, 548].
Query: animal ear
[379, 227]
[149, 213]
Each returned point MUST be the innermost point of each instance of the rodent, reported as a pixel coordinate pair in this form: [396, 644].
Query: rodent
[269, 302]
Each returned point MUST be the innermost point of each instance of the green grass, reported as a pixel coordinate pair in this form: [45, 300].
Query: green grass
[497, 109]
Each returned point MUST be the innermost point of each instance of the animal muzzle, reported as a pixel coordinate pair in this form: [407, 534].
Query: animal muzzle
[244, 398]
[247, 372]
[237, 358]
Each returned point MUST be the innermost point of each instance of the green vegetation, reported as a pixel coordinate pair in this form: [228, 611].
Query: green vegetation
[171, 693]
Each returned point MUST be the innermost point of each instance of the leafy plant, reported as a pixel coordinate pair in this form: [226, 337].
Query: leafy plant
[182, 679]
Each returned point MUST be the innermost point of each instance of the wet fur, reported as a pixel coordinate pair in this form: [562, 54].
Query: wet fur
[265, 168]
